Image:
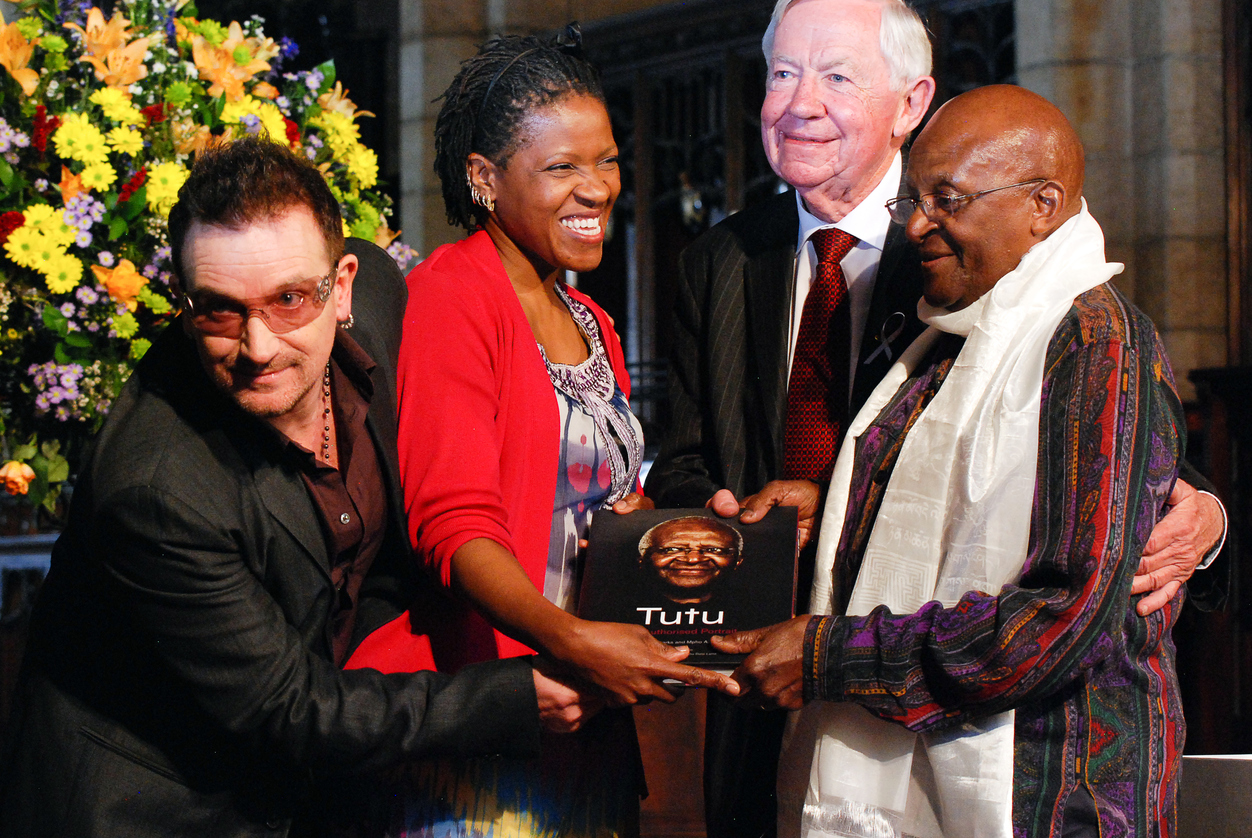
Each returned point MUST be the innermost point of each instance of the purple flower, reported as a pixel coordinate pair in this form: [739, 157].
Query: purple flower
[42, 403]
[41, 185]
[401, 253]
[251, 122]
[313, 80]
[68, 309]
[83, 239]
[62, 413]
[163, 254]
[106, 258]
[149, 271]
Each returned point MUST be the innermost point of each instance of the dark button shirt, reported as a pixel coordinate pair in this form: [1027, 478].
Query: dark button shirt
[350, 500]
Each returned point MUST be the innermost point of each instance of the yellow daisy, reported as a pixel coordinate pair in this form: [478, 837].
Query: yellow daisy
[99, 176]
[63, 273]
[78, 139]
[164, 181]
[126, 141]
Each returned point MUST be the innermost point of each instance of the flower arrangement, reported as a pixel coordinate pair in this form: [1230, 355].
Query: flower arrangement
[99, 118]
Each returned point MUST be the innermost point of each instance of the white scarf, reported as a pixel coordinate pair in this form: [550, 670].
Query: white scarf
[955, 517]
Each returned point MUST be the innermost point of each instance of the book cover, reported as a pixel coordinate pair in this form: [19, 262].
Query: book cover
[688, 574]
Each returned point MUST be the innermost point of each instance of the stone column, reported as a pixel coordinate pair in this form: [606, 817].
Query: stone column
[1141, 81]
[1180, 235]
[436, 35]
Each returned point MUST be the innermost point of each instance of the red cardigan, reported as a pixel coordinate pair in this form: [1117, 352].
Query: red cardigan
[478, 441]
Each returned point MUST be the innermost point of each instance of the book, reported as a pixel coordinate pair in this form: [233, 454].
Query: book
[688, 574]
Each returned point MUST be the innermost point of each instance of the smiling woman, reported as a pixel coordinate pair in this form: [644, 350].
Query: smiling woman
[514, 428]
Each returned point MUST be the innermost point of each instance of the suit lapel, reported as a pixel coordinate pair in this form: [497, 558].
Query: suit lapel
[287, 500]
[769, 290]
[891, 324]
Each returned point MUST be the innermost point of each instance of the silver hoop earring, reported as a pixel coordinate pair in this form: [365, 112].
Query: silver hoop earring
[482, 200]
[349, 323]
[478, 197]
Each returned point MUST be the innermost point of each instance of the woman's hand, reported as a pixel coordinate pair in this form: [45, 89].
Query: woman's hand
[563, 707]
[628, 664]
[625, 662]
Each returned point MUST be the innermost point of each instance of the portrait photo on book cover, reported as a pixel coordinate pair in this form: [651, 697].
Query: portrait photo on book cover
[688, 574]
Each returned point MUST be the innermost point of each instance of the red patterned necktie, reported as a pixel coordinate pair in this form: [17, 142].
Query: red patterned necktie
[817, 394]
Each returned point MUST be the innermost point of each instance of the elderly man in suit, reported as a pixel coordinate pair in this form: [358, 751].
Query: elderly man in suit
[790, 312]
[182, 675]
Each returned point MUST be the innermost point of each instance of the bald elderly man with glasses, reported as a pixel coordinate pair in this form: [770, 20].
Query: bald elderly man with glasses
[978, 663]
[230, 534]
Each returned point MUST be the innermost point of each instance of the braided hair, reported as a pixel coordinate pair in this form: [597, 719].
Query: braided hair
[492, 95]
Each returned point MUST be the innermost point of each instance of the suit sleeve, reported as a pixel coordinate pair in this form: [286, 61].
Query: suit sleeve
[1109, 440]
[681, 475]
[190, 588]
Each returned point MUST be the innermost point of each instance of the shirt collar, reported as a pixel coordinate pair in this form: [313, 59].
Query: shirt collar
[868, 220]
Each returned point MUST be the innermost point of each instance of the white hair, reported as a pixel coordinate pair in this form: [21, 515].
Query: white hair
[902, 38]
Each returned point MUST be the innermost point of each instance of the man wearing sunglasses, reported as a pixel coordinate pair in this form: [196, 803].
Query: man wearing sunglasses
[976, 665]
[183, 671]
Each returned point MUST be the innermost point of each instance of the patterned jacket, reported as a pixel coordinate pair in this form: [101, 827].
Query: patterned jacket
[1093, 684]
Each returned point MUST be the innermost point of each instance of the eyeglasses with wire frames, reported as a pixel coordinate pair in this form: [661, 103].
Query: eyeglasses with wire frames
[291, 308]
[940, 205]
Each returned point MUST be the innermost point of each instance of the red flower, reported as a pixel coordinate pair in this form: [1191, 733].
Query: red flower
[44, 126]
[132, 186]
[155, 114]
[9, 222]
[293, 133]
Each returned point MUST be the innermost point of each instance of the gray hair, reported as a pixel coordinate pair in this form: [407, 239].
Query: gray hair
[645, 543]
[902, 38]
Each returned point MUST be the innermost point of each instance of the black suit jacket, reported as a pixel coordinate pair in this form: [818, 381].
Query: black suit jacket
[179, 678]
[728, 365]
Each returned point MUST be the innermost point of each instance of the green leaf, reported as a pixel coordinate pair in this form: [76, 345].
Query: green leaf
[23, 453]
[78, 339]
[6, 173]
[116, 228]
[327, 69]
[55, 320]
[50, 499]
[137, 204]
[60, 355]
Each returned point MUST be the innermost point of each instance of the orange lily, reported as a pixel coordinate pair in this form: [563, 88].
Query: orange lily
[384, 235]
[218, 64]
[122, 67]
[124, 282]
[100, 38]
[15, 54]
[107, 47]
[71, 185]
[336, 99]
[190, 138]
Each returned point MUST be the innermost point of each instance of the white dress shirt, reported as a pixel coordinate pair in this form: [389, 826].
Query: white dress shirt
[868, 221]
